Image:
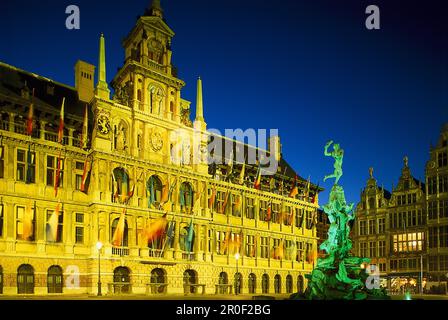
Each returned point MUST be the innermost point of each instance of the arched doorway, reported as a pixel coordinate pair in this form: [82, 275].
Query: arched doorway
[158, 279]
[54, 279]
[265, 283]
[278, 284]
[190, 277]
[252, 283]
[122, 280]
[25, 279]
[288, 283]
[223, 281]
[238, 283]
[300, 284]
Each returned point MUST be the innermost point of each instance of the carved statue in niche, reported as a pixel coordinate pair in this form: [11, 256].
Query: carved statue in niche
[185, 117]
[121, 137]
[186, 152]
[123, 94]
[157, 101]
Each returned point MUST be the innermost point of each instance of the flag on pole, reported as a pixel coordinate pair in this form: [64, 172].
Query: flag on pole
[225, 245]
[170, 233]
[85, 129]
[57, 178]
[315, 198]
[150, 193]
[61, 123]
[242, 173]
[269, 211]
[254, 248]
[307, 189]
[271, 184]
[189, 239]
[52, 225]
[295, 189]
[86, 175]
[29, 121]
[224, 205]
[237, 205]
[257, 182]
[114, 188]
[211, 202]
[117, 239]
[155, 229]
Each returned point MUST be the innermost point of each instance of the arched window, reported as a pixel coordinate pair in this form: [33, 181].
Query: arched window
[371, 202]
[186, 197]
[300, 284]
[122, 280]
[187, 238]
[190, 277]
[154, 189]
[288, 283]
[223, 281]
[1, 280]
[278, 284]
[121, 234]
[265, 283]
[120, 185]
[25, 279]
[158, 279]
[54, 279]
[238, 282]
[252, 283]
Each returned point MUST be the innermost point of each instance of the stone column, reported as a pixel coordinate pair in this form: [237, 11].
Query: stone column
[42, 129]
[11, 121]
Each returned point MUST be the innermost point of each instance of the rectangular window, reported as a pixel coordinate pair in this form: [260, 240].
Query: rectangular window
[289, 250]
[433, 263]
[381, 248]
[309, 253]
[79, 228]
[372, 227]
[382, 267]
[220, 240]
[26, 166]
[443, 209]
[393, 265]
[433, 237]
[432, 185]
[287, 216]
[275, 215]
[300, 251]
[25, 223]
[309, 219]
[250, 246]
[52, 166]
[443, 237]
[408, 242]
[250, 208]
[220, 198]
[443, 184]
[381, 225]
[443, 263]
[236, 205]
[59, 226]
[442, 159]
[263, 210]
[264, 247]
[372, 249]
[362, 228]
[1, 219]
[299, 218]
[2, 162]
[363, 249]
[275, 245]
[78, 174]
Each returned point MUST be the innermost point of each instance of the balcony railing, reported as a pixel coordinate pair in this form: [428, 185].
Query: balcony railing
[120, 251]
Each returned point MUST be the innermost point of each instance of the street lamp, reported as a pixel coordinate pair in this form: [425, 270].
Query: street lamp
[237, 276]
[99, 245]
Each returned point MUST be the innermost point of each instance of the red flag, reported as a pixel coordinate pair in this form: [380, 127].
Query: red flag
[269, 212]
[211, 202]
[154, 230]
[29, 121]
[61, 123]
[257, 183]
[295, 190]
[58, 175]
[119, 231]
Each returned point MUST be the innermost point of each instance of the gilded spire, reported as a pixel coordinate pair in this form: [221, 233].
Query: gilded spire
[102, 88]
[199, 103]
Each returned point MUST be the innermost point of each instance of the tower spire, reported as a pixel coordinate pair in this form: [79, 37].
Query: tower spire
[199, 103]
[102, 89]
[155, 9]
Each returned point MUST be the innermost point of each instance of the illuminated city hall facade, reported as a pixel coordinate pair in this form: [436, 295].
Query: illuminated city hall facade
[100, 190]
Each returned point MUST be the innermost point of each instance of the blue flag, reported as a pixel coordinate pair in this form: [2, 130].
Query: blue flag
[189, 239]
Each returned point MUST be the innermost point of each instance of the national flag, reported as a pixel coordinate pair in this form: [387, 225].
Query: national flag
[211, 201]
[242, 173]
[307, 189]
[52, 225]
[29, 164]
[86, 175]
[237, 205]
[85, 129]
[314, 219]
[30, 119]
[189, 238]
[269, 212]
[114, 187]
[57, 178]
[118, 235]
[295, 189]
[254, 248]
[165, 193]
[61, 123]
[28, 225]
[224, 205]
[257, 182]
[280, 250]
[225, 245]
[197, 204]
[124, 187]
[315, 198]
[170, 233]
[271, 184]
[155, 229]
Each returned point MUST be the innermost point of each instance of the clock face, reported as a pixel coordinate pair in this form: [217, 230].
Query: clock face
[103, 125]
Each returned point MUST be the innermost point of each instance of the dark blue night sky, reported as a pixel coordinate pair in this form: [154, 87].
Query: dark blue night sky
[308, 68]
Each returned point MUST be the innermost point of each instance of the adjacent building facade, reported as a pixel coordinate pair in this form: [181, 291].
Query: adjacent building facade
[403, 231]
[82, 215]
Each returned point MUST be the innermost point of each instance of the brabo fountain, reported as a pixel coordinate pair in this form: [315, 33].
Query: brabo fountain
[340, 275]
